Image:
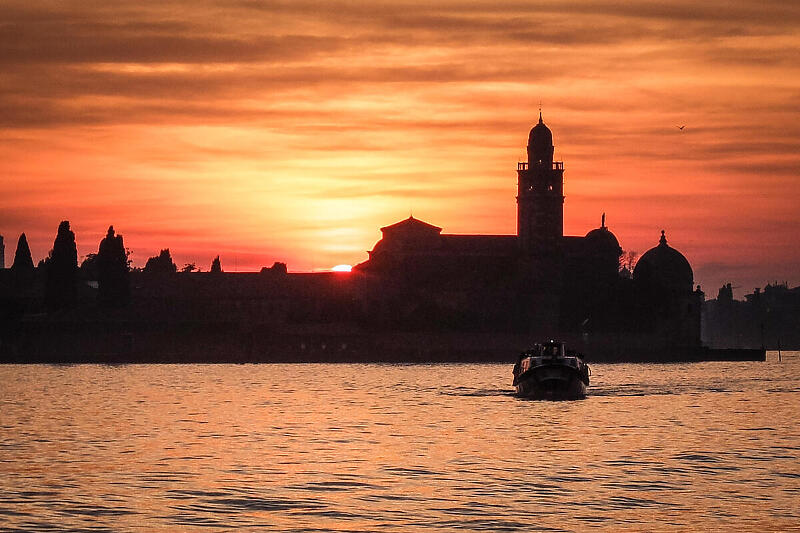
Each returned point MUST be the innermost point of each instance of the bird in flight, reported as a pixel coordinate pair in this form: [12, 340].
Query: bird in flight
[681, 127]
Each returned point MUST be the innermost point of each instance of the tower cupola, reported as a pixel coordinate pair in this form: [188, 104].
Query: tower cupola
[540, 196]
[540, 144]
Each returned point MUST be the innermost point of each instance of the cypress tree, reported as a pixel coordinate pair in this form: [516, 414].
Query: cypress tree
[22, 257]
[161, 264]
[112, 271]
[216, 266]
[61, 289]
[22, 268]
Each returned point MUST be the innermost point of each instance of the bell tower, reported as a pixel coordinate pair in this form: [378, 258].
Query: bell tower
[540, 194]
[540, 230]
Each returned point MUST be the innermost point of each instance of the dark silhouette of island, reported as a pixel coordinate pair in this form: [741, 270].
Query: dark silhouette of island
[421, 296]
[766, 317]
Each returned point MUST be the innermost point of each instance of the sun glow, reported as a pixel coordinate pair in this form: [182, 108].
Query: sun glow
[279, 133]
[342, 268]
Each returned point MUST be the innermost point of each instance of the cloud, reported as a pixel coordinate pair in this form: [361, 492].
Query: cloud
[232, 120]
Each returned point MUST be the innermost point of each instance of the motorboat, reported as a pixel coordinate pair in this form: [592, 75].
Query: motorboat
[548, 371]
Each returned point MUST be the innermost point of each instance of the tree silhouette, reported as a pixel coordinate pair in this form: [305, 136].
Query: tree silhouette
[276, 268]
[161, 264]
[88, 268]
[112, 271]
[22, 268]
[61, 271]
[216, 266]
[22, 257]
[627, 261]
[189, 267]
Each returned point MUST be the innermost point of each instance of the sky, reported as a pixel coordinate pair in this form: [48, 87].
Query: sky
[293, 130]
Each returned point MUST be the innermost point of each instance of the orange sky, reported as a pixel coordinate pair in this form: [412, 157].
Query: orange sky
[291, 131]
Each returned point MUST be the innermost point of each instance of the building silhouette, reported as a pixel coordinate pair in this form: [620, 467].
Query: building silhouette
[422, 295]
[769, 317]
[538, 281]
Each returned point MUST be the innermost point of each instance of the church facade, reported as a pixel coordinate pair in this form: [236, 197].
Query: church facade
[538, 281]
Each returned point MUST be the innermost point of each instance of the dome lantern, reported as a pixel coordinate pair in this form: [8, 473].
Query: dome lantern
[540, 145]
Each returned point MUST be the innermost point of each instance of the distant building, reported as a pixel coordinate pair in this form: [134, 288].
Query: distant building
[768, 317]
[538, 280]
[422, 295]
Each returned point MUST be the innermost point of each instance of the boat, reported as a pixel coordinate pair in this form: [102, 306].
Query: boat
[548, 371]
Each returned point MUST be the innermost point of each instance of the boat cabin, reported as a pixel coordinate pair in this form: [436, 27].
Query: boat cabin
[547, 349]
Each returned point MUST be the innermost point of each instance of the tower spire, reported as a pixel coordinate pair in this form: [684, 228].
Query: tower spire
[540, 200]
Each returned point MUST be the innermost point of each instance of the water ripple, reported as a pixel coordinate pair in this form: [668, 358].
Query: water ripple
[396, 448]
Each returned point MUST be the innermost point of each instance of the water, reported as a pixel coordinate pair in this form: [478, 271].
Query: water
[710, 446]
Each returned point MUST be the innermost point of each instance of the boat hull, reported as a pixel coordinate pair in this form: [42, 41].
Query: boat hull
[551, 382]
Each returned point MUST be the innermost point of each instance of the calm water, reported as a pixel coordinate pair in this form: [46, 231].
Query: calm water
[711, 446]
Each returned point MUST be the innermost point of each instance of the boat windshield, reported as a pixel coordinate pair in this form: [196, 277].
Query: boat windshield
[551, 350]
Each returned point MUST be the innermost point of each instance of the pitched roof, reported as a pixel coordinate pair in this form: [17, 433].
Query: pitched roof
[411, 223]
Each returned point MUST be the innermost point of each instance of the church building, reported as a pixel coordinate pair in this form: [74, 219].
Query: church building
[538, 281]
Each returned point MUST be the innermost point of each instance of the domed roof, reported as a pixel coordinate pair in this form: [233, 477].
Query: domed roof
[540, 139]
[602, 239]
[665, 267]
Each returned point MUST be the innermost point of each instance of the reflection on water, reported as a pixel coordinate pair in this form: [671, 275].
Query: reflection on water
[397, 448]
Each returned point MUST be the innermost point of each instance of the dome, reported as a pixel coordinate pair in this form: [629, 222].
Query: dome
[602, 239]
[540, 143]
[665, 267]
[540, 135]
